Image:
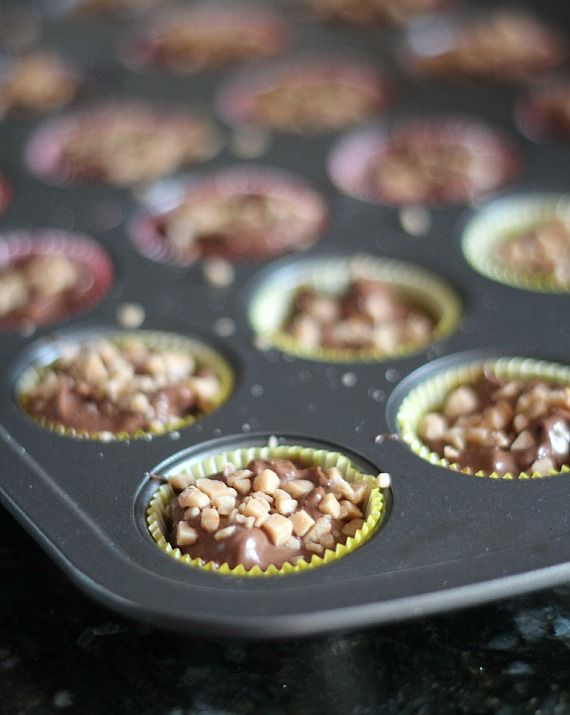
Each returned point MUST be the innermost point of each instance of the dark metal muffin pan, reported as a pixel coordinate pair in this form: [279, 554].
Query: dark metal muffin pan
[449, 540]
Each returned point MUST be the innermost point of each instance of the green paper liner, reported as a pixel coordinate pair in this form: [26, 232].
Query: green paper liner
[374, 514]
[430, 395]
[504, 220]
[272, 303]
[203, 354]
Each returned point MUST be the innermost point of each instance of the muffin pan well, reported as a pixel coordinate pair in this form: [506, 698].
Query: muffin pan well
[448, 539]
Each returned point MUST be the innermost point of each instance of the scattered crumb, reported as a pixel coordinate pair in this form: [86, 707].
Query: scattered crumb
[415, 220]
[224, 327]
[218, 272]
[130, 315]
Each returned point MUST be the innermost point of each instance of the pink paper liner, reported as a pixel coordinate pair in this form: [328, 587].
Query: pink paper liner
[139, 52]
[82, 250]
[354, 156]
[531, 117]
[42, 154]
[236, 100]
[145, 228]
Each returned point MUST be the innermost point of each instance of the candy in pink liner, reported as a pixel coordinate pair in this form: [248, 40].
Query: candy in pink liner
[244, 100]
[125, 159]
[206, 37]
[239, 214]
[93, 280]
[406, 164]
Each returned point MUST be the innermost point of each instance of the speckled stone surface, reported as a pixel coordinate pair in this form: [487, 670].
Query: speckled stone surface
[62, 653]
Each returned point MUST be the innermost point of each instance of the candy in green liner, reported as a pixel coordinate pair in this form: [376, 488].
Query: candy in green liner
[373, 514]
[510, 219]
[525, 422]
[120, 385]
[272, 304]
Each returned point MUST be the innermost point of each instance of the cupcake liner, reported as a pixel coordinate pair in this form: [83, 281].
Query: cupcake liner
[145, 229]
[236, 100]
[43, 155]
[268, 26]
[205, 356]
[353, 157]
[504, 220]
[271, 305]
[374, 515]
[430, 394]
[80, 249]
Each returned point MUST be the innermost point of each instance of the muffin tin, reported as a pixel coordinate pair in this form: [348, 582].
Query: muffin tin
[448, 540]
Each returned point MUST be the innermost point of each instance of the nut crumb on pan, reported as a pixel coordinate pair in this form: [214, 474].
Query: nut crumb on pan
[131, 315]
[218, 272]
[288, 511]
[502, 425]
[415, 220]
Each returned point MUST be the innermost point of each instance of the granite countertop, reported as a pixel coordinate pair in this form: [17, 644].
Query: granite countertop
[62, 653]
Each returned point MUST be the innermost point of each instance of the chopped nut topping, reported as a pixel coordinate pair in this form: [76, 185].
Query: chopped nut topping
[225, 533]
[42, 287]
[279, 529]
[128, 145]
[329, 505]
[366, 12]
[224, 504]
[507, 45]
[541, 252]
[210, 520]
[321, 527]
[185, 534]
[123, 387]
[368, 315]
[461, 401]
[193, 497]
[298, 487]
[305, 102]
[302, 522]
[268, 528]
[266, 482]
[352, 527]
[503, 426]
[37, 82]
[193, 39]
[222, 225]
[215, 488]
